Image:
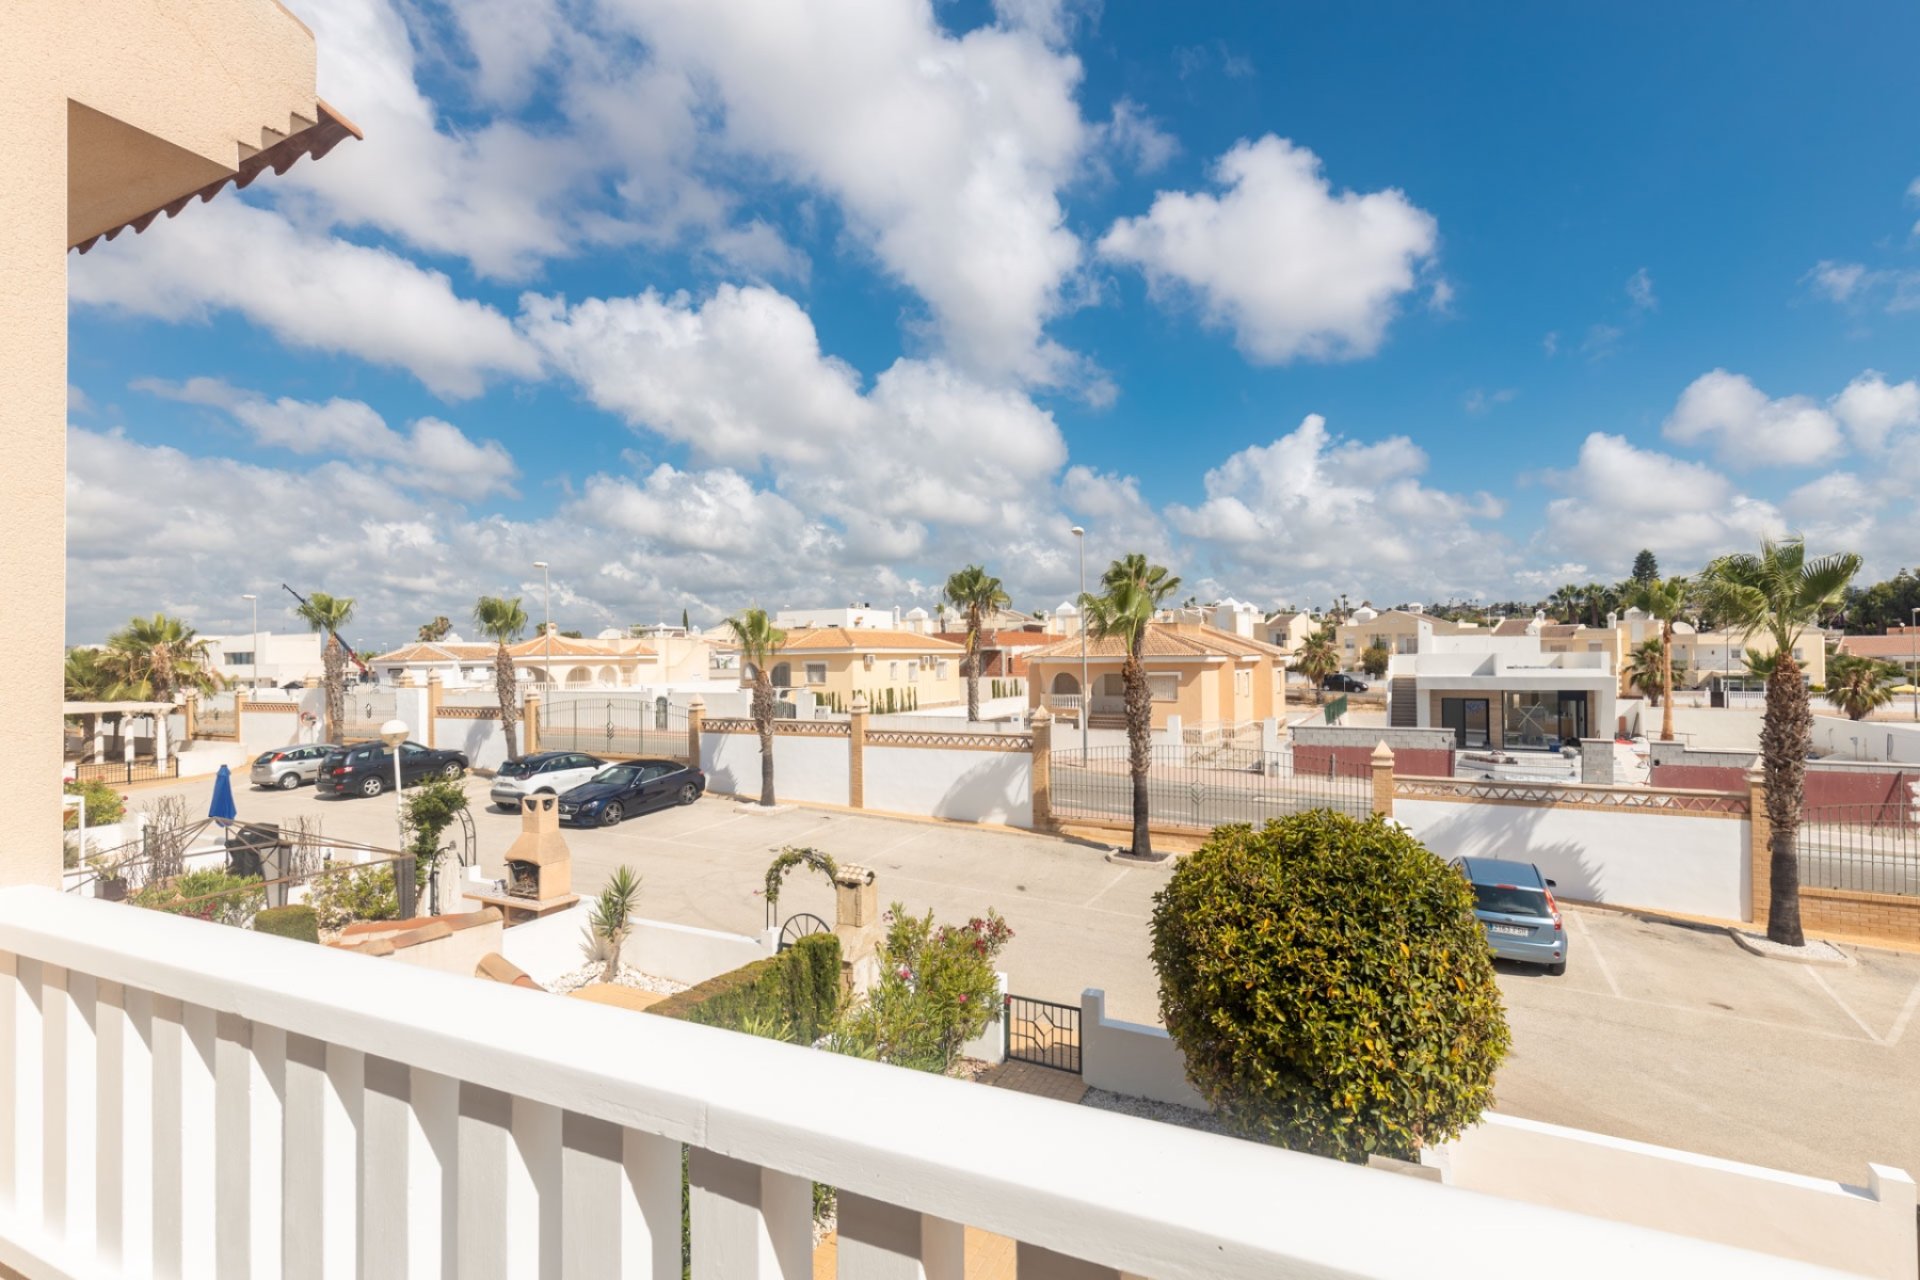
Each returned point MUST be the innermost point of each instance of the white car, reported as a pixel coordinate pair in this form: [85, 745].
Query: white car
[550, 771]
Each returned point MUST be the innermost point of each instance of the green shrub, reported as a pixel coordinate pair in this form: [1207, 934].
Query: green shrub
[289, 922]
[797, 991]
[210, 894]
[344, 895]
[1329, 986]
[102, 803]
[936, 991]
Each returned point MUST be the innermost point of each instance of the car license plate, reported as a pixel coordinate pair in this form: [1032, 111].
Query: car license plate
[1509, 930]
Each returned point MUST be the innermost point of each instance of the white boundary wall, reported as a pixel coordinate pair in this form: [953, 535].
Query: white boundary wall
[966, 786]
[1867, 1230]
[482, 740]
[1867, 739]
[808, 768]
[553, 945]
[1131, 1058]
[1692, 863]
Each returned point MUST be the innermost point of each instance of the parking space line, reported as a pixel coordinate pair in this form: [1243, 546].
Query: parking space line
[1906, 1015]
[1599, 957]
[1118, 876]
[1835, 997]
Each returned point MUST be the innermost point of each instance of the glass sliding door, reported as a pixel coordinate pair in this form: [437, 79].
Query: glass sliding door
[1468, 718]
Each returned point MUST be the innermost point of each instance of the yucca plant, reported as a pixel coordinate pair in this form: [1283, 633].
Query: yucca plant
[610, 918]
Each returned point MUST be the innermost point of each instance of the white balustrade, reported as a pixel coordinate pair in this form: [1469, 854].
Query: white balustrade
[184, 1099]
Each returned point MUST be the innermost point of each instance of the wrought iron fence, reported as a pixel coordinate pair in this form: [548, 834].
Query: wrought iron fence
[1866, 848]
[1187, 788]
[1042, 1032]
[615, 726]
[126, 771]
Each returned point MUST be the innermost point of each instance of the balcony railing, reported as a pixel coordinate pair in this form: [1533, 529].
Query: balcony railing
[186, 1099]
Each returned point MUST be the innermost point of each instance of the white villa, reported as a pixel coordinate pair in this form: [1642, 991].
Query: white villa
[611, 660]
[1503, 692]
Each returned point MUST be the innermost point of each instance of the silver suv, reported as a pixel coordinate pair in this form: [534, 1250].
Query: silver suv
[551, 771]
[285, 768]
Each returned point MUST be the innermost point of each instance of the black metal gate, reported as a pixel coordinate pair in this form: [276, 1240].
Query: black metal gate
[1042, 1032]
[614, 727]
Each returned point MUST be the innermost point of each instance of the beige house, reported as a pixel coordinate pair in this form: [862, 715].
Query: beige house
[1706, 654]
[1199, 673]
[897, 670]
[1289, 629]
[110, 116]
[1395, 630]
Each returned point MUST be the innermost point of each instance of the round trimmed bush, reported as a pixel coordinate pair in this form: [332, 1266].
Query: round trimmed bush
[298, 922]
[1328, 983]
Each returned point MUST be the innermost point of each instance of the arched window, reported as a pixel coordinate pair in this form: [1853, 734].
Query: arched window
[782, 676]
[1066, 683]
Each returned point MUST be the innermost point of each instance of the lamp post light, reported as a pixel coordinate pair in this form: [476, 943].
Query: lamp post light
[546, 626]
[255, 602]
[1086, 690]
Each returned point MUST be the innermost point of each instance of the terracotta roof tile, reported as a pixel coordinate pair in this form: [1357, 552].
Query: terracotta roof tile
[1164, 641]
[862, 640]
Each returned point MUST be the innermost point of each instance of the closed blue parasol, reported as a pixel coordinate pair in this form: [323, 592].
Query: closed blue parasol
[223, 810]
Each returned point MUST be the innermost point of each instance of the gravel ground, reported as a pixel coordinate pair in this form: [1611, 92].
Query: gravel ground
[1164, 1112]
[629, 977]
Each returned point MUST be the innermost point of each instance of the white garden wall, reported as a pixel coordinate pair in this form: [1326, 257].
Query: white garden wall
[1866, 739]
[805, 768]
[1866, 1230]
[553, 945]
[1131, 1058]
[966, 786]
[1695, 864]
[482, 740]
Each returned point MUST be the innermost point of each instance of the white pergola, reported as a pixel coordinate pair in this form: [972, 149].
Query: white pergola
[158, 710]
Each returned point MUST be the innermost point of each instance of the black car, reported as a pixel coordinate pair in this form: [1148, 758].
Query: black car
[621, 790]
[1341, 682]
[366, 768]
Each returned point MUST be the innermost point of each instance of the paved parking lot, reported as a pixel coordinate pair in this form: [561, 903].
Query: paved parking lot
[1657, 1031]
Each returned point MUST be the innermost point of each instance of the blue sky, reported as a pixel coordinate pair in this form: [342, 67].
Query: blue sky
[785, 302]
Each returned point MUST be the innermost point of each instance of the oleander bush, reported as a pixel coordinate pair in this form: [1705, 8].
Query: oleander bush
[1329, 985]
[210, 894]
[344, 895]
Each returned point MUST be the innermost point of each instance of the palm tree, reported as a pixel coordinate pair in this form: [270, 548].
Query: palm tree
[1318, 658]
[759, 640]
[1662, 598]
[327, 614]
[976, 595]
[504, 620]
[1759, 665]
[1781, 592]
[436, 630]
[1132, 592]
[1647, 670]
[90, 677]
[1857, 685]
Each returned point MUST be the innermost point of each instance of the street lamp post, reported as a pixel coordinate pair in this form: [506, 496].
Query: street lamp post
[1913, 655]
[255, 602]
[546, 626]
[1086, 691]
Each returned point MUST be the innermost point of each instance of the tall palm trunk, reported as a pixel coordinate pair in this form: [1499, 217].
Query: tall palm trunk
[508, 690]
[763, 722]
[334, 664]
[973, 663]
[1666, 680]
[1139, 746]
[1786, 736]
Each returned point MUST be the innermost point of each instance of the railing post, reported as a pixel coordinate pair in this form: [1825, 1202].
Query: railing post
[436, 687]
[1040, 787]
[880, 1241]
[696, 719]
[530, 723]
[857, 752]
[1382, 780]
[748, 1223]
[1759, 847]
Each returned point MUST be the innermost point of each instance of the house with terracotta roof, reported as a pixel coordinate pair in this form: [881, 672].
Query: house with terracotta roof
[1900, 645]
[897, 670]
[1395, 630]
[1003, 653]
[612, 660]
[1199, 673]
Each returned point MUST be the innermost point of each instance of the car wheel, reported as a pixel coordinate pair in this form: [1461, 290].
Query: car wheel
[689, 793]
[453, 770]
[1557, 969]
[611, 816]
[289, 782]
[372, 785]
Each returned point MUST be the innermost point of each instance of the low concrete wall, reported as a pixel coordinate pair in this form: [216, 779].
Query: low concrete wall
[554, 945]
[1696, 864]
[1131, 1058]
[1867, 1230]
[1867, 739]
[990, 1046]
[482, 739]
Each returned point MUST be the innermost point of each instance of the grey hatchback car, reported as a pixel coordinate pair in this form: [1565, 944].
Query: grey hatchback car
[1514, 904]
[285, 768]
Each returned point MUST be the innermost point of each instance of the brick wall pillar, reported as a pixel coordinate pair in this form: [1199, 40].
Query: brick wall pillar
[436, 688]
[1041, 785]
[1759, 847]
[857, 752]
[530, 724]
[696, 719]
[1382, 780]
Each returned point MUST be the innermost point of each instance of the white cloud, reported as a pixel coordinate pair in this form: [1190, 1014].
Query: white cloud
[1293, 268]
[1051, 20]
[1640, 291]
[1478, 401]
[1874, 409]
[308, 290]
[1619, 498]
[1313, 513]
[1891, 289]
[1748, 429]
[946, 153]
[434, 454]
[1138, 138]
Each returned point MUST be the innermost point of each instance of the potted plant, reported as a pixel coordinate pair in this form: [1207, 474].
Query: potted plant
[108, 883]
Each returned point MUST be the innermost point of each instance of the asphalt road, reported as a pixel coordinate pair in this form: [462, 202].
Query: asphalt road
[1658, 1032]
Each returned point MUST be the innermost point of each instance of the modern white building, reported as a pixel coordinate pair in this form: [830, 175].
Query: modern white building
[852, 616]
[1503, 692]
[267, 660]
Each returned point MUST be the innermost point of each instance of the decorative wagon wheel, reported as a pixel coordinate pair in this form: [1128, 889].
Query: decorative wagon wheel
[800, 926]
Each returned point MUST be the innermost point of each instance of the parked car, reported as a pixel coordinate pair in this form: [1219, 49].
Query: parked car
[285, 768]
[1514, 904]
[632, 786]
[366, 768]
[1342, 682]
[549, 771]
